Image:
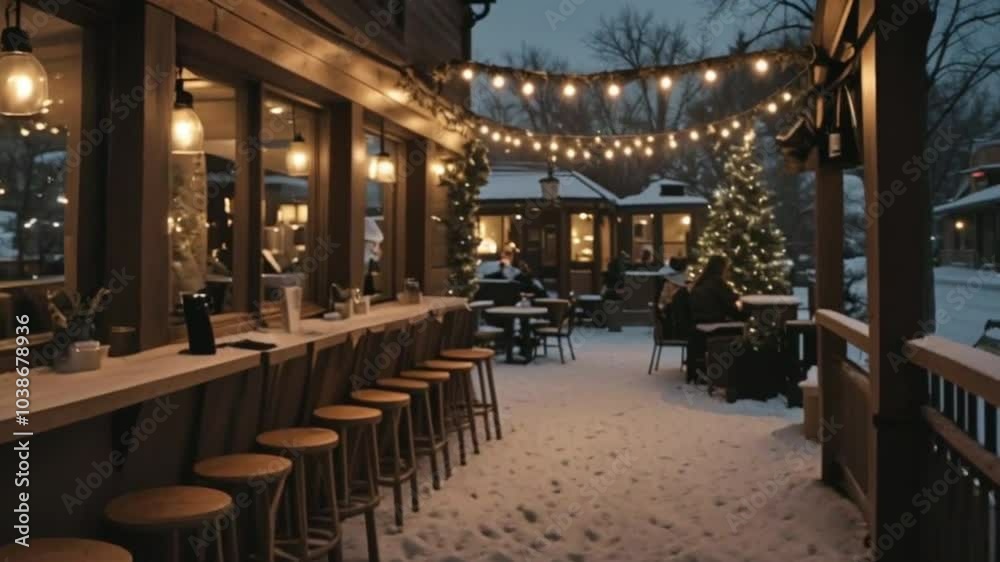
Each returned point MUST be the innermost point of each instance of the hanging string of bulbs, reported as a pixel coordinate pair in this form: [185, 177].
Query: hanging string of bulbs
[587, 147]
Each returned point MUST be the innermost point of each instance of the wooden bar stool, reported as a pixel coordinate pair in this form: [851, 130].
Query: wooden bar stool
[483, 358]
[428, 441]
[462, 398]
[309, 448]
[395, 407]
[357, 427]
[170, 510]
[438, 381]
[264, 476]
[64, 550]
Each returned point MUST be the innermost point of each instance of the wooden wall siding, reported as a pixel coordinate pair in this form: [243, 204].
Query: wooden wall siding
[348, 160]
[274, 34]
[434, 31]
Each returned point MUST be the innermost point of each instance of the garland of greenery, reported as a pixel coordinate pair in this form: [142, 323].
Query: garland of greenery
[463, 178]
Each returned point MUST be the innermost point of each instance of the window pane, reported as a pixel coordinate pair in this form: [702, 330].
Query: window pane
[380, 209]
[582, 233]
[676, 228]
[202, 180]
[37, 176]
[289, 137]
[491, 235]
[642, 235]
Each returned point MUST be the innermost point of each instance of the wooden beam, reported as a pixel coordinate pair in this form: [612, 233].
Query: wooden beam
[138, 196]
[421, 153]
[894, 106]
[348, 163]
[247, 225]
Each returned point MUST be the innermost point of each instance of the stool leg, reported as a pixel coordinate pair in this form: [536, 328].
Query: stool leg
[493, 398]
[412, 448]
[454, 391]
[446, 453]
[397, 460]
[485, 399]
[345, 496]
[265, 508]
[299, 505]
[233, 552]
[467, 384]
[372, 531]
[174, 547]
[435, 474]
[331, 490]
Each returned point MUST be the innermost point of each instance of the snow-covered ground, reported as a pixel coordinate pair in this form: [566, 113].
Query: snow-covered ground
[601, 462]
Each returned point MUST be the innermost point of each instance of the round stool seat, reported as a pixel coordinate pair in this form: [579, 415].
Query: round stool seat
[240, 468]
[405, 385]
[61, 550]
[381, 398]
[169, 507]
[446, 365]
[303, 439]
[348, 415]
[468, 354]
[427, 376]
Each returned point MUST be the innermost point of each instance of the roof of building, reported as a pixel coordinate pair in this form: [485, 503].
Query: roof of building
[512, 182]
[652, 196]
[988, 196]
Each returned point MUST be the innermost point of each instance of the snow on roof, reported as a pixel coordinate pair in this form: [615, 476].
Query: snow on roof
[652, 196]
[516, 182]
[990, 195]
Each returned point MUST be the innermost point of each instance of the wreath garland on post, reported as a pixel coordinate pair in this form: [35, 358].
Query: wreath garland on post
[463, 178]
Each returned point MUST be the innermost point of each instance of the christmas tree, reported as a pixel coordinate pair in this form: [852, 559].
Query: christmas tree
[741, 227]
[463, 179]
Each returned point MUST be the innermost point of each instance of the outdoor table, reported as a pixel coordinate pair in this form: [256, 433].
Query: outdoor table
[787, 306]
[508, 314]
[589, 304]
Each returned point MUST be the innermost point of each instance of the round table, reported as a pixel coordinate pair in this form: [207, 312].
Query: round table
[508, 315]
[779, 308]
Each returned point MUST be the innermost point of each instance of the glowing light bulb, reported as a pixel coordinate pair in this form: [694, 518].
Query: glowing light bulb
[528, 88]
[649, 151]
[438, 169]
[468, 74]
[772, 107]
[569, 90]
[695, 136]
[736, 124]
[609, 154]
[570, 153]
[517, 142]
[787, 96]
[673, 143]
[537, 146]
[666, 83]
[628, 151]
[614, 90]
[499, 81]
[724, 133]
[586, 155]
[554, 146]
[761, 66]
[485, 130]
[496, 136]
[711, 76]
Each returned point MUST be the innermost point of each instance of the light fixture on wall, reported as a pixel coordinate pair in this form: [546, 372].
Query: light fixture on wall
[298, 161]
[24, 85]
[187, 136]
[550, 185]
[381, 168]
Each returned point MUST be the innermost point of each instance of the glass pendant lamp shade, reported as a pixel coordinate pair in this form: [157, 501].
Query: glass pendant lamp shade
[297, 160]
[24, 85]
[187, 136]
[550, 185]
[382, 169]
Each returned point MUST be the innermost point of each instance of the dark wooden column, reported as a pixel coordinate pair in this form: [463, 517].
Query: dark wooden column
[565, 254]
[348, 163]
[895, 109]
[247, 223]
[420, 179]
[829, 216]
[138, 192]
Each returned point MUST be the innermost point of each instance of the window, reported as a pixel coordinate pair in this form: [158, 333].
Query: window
[582, 234]
[202, 180]
[642, 235]
[39, 175]
[289, 157]
[380, 217]
[676, 228]
[494, 235]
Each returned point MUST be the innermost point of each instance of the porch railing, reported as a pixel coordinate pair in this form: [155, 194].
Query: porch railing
[958, 507]
[960, 464]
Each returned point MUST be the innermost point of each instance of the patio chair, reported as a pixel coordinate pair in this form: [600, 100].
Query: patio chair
[989, 342]
[560, 327]
[668, 331]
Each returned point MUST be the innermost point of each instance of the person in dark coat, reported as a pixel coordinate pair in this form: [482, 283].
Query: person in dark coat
[712, 298]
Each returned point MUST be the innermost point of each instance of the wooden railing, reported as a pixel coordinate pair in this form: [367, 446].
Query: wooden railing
[960, 464]
[847, 406]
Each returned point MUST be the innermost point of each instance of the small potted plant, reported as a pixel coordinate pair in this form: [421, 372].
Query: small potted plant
[75, 332]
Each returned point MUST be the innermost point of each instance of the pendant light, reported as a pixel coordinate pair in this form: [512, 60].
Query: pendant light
[381, 168]
[550, 185]
[24, 86]
[297, 160]
[187, 136]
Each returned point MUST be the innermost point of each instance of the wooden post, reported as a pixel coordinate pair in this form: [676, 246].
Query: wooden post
[563, 241]
[829, 217]
[138, 192]
[247, 198]
[420, 180]
[349, 156]
[894, 107]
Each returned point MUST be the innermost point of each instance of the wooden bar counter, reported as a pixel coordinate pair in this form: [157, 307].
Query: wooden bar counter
[143, 420]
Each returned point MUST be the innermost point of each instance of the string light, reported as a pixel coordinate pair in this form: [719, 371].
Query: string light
[554, 146]
[786, 96]
[570, 153]
[761, 66]
[772, 107]
[499, 81]
[528, 89]
[609, 154]
[484, 130]
[724, 133]
[673, 142]
[496, 136]
[695, 136]
[618, 143]
[586, 155]
[736, 123]
[517, 142]
[628, 151]
[569, 90]
[711, 75]
[468, 74]
[649, 151]
[666, 83]
[614, 90]
[537, 146]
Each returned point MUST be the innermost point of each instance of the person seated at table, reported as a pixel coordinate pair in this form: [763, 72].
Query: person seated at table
[500, 269]
[529, 283]
[674, 303]
[712, 297]
[648, 259]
